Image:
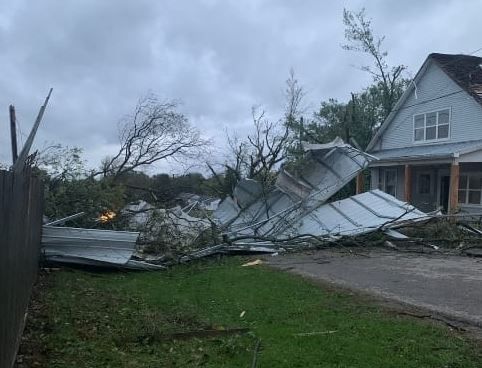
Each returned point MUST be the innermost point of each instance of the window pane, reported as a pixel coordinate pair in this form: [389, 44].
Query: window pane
[462, 196]
[390, 190]
[391, 176]
[419, 121]
[390, 182]
[474, 196]
[424, 184]
[474, 182]
[443, 117]
[431, 119]
[419, 134]
[443, 131]
[463, 182]
[430, 133]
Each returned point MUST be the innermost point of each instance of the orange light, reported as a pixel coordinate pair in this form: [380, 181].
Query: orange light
[107, 216]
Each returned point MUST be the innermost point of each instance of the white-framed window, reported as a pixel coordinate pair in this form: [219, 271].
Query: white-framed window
[387, 181]
[431, 126]
[470, 189]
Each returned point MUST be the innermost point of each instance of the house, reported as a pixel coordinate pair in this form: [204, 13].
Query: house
[430, 146]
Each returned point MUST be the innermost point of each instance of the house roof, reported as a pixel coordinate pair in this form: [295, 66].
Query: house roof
[427, 151]
[465, 70]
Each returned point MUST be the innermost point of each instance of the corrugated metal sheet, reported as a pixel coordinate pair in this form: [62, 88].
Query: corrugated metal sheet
[327, 168]
[88, 246]
[297, 206]
[358, 214]
[247, 192]
[428, 151]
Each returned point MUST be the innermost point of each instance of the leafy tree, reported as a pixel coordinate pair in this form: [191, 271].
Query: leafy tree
[135, 185]
[69, 189]
[293, 117]
[361, 38]
[94, 197]
[61, 162]
[357, 120]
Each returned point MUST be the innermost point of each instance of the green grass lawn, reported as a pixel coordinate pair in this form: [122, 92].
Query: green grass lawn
[116, 319]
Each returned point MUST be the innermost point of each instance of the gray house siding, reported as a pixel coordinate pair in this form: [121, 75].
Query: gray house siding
[466, 113]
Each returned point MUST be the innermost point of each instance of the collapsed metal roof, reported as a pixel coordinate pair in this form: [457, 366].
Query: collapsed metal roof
[88, 246]
[297, 205]
[117, 248]
[358, 214]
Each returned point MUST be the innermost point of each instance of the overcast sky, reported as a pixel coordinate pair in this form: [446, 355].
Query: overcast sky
[218, 57]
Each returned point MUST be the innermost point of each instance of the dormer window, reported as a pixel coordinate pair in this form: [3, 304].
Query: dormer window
[431, 126]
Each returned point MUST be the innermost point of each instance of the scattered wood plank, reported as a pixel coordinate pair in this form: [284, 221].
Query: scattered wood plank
[315, 333]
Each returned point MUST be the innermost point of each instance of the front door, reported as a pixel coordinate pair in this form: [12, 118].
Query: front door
[444, 192]
[425, 194]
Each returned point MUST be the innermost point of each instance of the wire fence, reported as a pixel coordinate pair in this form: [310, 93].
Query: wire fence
[21, 199]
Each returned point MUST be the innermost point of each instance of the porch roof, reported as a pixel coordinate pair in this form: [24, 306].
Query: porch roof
[427, 151]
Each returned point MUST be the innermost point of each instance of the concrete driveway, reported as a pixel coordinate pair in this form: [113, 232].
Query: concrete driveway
[450, 286]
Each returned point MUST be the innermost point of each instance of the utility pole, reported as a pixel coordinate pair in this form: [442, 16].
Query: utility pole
[13, 133]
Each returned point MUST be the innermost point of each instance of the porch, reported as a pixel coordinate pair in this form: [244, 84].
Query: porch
[448, 186]
[444, 176]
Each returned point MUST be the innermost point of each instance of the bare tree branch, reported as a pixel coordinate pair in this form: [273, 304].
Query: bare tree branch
[156, 131]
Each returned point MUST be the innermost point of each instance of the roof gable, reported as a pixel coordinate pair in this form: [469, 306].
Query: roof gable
[464, 70]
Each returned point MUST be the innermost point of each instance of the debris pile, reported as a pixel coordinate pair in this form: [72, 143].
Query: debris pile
[296, 212]
[167, 229]
[297, 208]
[91, 247]
[170, 227]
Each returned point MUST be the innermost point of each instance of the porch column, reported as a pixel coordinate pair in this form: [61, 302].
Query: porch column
[360, 183]
[454, 187]
[408, 183]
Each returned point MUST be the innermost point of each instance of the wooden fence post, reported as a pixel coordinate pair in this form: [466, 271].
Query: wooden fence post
[13, 133]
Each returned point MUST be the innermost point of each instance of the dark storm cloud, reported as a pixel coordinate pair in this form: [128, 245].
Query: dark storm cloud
[218, 57]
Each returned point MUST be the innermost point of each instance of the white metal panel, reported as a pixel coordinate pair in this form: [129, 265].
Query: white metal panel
[376, 209]
[115, 247]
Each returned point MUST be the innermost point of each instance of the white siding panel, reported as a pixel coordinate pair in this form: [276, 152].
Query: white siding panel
[466, 118]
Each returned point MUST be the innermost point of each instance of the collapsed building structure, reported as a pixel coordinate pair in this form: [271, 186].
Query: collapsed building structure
[298, 204]
[254, 219]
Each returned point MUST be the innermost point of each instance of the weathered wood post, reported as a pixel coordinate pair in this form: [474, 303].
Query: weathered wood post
[360, 182]
[13, 133]
[454, 187]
